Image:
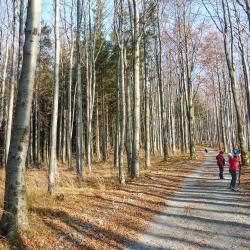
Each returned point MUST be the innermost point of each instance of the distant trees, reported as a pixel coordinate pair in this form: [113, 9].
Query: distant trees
[231, 70]
[159, 74]
[226, 17]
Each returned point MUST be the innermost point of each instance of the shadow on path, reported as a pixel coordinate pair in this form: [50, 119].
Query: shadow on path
[204, 214]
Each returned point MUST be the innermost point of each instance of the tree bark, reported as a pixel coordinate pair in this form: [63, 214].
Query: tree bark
[79, 129]
[53, 136]
[69, 127]
[15, 211]
[136, 74]
[2, 97]
[163, 116]
[146, 94]
[117, 114]
[21, 22]
[12, 81]
[128, 115]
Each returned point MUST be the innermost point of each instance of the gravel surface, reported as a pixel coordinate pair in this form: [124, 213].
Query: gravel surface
[204, 214]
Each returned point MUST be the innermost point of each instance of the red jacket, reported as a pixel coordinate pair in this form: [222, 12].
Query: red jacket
[234, 163]
[220, 160]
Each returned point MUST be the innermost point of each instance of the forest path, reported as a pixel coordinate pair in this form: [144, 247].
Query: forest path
[204, 214]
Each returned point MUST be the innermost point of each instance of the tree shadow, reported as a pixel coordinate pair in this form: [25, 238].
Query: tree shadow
[83, 229]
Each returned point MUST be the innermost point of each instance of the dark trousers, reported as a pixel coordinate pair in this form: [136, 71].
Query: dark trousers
[234, 178]
[221, 172]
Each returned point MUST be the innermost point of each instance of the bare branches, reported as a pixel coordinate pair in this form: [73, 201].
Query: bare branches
[214, 13]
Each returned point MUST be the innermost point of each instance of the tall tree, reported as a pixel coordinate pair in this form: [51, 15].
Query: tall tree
[136, 78]
[163, 111]
[53, 137]
[69, 123]
[146, 90]
[79, 128]
[21, 23]
[3, 83]
[15, 215]
[12, 81]
[119, 28]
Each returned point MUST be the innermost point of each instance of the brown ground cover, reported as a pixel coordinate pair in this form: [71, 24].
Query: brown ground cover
[245, 180]
[97, 213]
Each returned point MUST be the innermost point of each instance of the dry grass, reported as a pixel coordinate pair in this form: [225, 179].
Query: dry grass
[98, 213]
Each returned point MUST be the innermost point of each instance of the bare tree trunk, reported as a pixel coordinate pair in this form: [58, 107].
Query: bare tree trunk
[128, 116]
[31, 140]
[37, 132]
[147, 122]
[136, 74]
[217, 118]
[21, 23]
[122, 113]
[89, 92]
[146, 86]
[182, 125]
[2, 96]
[119, 31]
[79, 128]
[117, 123]
[221, 114]
[91, 88]
[190, 110]
[69, 127]
[15, 206]
[53, 136]
[12, 81]
[163, 116]
[173, 130]
[98, 153]
[122, 97]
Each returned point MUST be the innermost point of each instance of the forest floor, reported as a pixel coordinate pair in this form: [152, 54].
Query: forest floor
[203, 214]
[97, 213]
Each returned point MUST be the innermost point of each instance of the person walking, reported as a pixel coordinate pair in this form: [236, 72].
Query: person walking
[234, 161]
[221, 164]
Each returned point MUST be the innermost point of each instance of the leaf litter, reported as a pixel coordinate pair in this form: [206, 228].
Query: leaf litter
[98, 213]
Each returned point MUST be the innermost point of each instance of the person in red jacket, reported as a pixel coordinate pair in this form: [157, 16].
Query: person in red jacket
[221, 163]
[233, 167]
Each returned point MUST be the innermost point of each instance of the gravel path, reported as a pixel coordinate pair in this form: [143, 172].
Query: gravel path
[204, 214]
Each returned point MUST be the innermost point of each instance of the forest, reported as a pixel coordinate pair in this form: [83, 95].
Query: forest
[98, 98]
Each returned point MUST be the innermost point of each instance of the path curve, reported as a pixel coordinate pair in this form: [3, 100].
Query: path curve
[204, 214]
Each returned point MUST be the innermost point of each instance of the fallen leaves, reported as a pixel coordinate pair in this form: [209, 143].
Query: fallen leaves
[99, 213]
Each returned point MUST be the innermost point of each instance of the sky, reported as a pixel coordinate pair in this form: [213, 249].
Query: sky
[48, 12]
